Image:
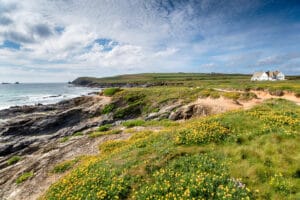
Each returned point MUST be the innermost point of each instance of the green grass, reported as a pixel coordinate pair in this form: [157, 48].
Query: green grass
[108, 108]
[133, 123]
[64, 139]
[105, 127]
[241, 154]
[163, 123]
[205, 80]
[13, 160]
[111, 91]
[78, 134]
[131, 103]
[64, 166]
[25, 176]
[101, 133]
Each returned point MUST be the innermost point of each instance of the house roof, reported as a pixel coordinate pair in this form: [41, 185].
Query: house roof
[258, 74]
[270, 74]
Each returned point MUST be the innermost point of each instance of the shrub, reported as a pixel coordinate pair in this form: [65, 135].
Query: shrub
[108, 108]
[111, 91]
[132, 123]
[105, 127]
[24, 177]
[192, 177]
[202, 132]
[13, 160]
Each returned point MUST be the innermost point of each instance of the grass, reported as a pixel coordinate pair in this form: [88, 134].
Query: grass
[163, 123]
[133, 123]
[13, 160]
[78, 134]
[205, 80]
[105, 127]
[25, 176]
[111, 91]
[64, 139]
[131, 103]
[108, 108]
[250, 154]
[101, 133]
[64, 166]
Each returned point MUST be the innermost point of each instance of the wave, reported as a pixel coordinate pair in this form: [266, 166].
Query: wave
[43, 96]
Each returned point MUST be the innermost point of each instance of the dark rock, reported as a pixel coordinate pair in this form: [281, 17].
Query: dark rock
[189, 111]
[25, 125]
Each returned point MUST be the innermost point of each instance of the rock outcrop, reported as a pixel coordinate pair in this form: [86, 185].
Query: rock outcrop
[27, 125]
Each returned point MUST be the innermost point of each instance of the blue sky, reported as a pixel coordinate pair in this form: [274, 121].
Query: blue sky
[57, 41]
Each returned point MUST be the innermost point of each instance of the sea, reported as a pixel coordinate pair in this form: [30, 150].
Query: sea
[39, 93]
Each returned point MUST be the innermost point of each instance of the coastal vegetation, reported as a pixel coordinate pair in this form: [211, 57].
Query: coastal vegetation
[13, 160]
[64, 166]
[180, 138]
[205, 80]
[242, 154]
[133, 102]
[23, 177]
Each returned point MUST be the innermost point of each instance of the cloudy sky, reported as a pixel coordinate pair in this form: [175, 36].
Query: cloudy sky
[59, 40]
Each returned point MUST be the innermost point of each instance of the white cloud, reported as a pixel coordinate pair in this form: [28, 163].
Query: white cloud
[147, 35]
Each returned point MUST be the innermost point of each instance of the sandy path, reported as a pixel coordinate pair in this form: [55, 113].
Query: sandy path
[221, 105]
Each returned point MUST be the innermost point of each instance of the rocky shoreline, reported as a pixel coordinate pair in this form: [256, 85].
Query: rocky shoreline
[35, 134]
[86, 82]
[25, 128]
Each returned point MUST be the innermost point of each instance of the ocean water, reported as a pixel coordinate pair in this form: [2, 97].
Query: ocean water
[34, 93]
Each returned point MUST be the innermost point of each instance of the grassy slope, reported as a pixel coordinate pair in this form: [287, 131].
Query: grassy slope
[241, 154]
[131, 102]
[236, 81]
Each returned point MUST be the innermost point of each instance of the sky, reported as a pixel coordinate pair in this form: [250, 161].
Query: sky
[59, 40]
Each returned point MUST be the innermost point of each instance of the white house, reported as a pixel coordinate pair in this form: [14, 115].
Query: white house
[280, 76]
[260, 76]
[268, 76]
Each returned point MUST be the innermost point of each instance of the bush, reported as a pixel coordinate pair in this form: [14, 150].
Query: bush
[13, 160]
[132, 123]
[24, 177]
[105, 127]
[111, 91]
[202, 132]
[108, 108]
[193, 177]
